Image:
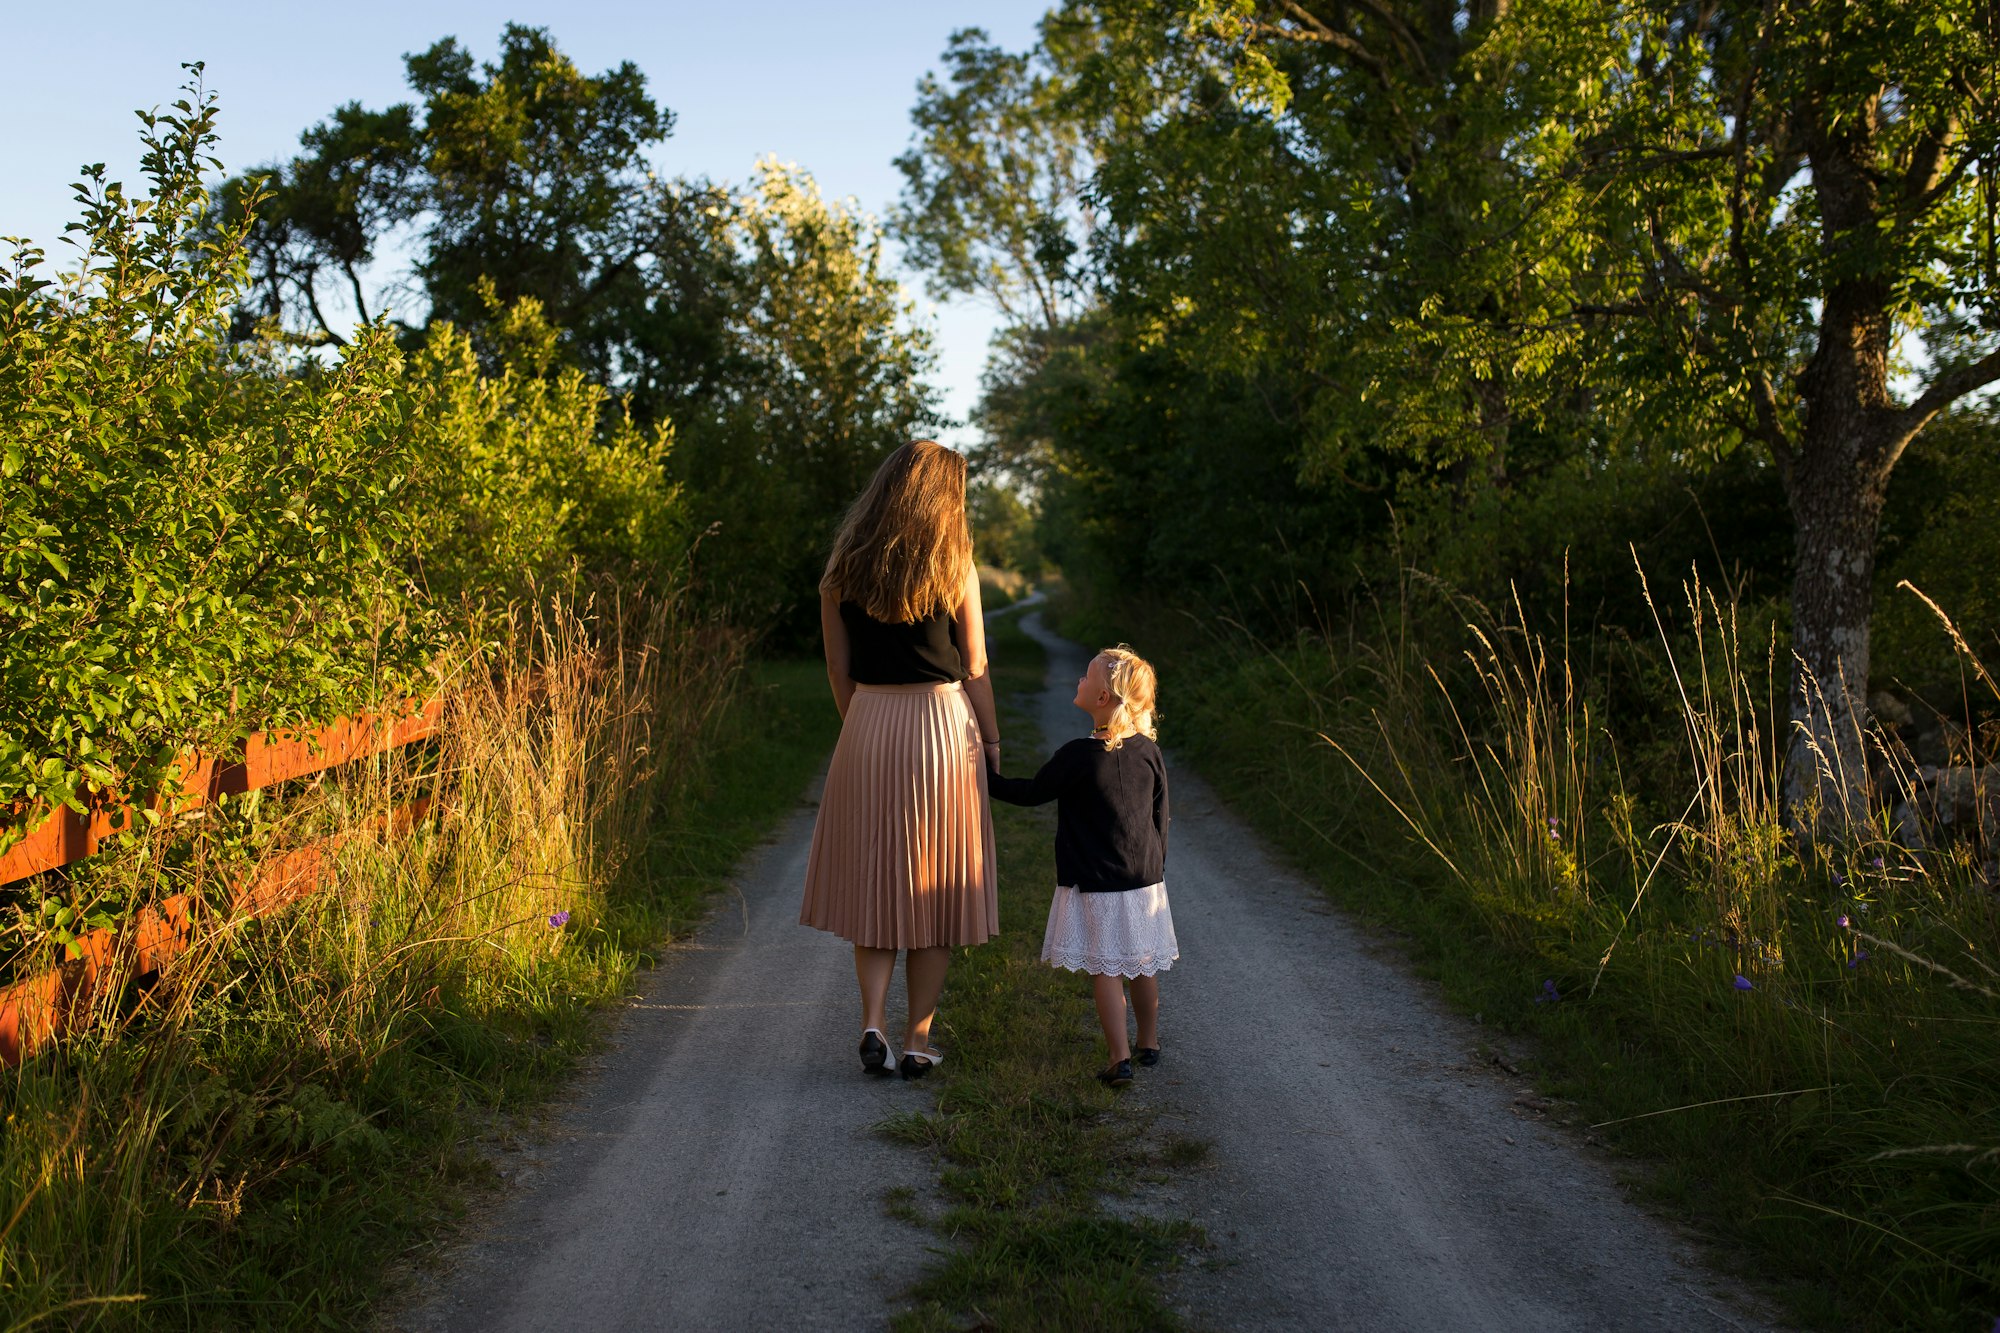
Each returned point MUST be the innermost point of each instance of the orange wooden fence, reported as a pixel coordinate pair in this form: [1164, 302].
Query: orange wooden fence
[36, 1010]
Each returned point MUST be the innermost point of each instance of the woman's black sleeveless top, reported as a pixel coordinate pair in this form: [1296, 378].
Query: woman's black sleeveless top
[918, 652]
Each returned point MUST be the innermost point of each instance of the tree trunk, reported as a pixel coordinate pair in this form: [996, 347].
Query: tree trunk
[1837, 506]
[1836, 480]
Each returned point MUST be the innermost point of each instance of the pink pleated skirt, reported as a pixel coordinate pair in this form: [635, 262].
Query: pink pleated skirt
[902, 853]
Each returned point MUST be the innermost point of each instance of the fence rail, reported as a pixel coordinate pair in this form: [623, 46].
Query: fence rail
[37, 1009]
[268, 758]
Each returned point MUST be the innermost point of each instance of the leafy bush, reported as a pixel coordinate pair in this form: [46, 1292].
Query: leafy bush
[517, 474]
[206, 537]
[198, 538]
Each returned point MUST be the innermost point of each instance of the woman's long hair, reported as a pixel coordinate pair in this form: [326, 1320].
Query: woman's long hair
[904, 550]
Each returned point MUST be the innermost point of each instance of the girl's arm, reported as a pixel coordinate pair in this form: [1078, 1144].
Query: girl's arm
[978, 683]
[833, 636]
[1040, 789]
[1160, 816]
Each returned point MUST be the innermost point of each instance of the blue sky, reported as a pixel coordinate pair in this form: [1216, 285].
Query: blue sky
[826, 85]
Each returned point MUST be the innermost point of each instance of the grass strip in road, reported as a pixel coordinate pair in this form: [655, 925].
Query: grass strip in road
[1028, 1141]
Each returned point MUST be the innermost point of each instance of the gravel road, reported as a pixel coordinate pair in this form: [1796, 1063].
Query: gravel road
[717, 1170]
[1368, 1170]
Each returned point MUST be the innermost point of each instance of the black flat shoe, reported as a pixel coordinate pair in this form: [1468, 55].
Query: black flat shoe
[916, 1064]
[874, 1053]
[1148, 1056]
[1117, 1076]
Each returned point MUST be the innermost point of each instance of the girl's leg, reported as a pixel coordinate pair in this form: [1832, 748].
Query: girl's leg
[873, 968]
[1110, 993]
[1146, 1008]
[924, 970]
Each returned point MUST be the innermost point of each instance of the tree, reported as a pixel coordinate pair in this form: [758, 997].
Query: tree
[1799, 196]
[826, 377]
[329, 208]
[524, 173]
[204, 536]
[993, 196]
[1716, 223]
[1330, 197]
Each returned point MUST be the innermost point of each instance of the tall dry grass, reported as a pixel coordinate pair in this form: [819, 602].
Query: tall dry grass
[1585, 838]
[231, 1145]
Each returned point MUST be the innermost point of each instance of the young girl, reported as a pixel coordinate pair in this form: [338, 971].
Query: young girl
[1109, 917]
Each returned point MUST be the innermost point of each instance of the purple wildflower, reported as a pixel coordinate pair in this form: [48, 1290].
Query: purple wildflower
[1839, 878]
[1877, 863]
[1860, 956]
[558, 920]
[1844, 921]
[1549, 993]
[1744, 983]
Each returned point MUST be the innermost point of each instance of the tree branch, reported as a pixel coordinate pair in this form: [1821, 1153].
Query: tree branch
[1764, 399]
[1920, 178]
[1615, 310]
[1740, 148]
[1398, 30]
[327, 335]
[1948, 388]
[354, 281]
[1325, 36]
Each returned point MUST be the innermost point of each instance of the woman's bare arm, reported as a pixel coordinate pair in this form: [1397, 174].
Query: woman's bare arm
[972, 648]
[833, 635]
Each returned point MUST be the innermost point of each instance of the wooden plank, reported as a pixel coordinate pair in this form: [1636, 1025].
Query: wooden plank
[268, 758]
[39, 1009]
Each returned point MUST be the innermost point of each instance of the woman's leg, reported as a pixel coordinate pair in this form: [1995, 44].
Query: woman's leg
[1146, 1008]
[1110, 993]
[873, 968]
[924, 970]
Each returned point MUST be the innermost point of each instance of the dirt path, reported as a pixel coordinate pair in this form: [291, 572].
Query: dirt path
[717, 1171]
[1369, 1171]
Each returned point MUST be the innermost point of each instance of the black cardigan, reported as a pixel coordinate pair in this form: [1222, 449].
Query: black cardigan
[1111, 812]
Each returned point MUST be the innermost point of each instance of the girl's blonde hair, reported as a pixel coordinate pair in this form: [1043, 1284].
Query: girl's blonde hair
[904, 549]
[1135, 687]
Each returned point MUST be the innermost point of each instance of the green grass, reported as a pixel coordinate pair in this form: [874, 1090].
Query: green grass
[1804, 1125]
[255, 1147]
[1029, 1143]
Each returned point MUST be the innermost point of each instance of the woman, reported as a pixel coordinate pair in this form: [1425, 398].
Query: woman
[902, 854]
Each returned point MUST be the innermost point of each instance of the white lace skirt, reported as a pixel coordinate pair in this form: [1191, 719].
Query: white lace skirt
[1127, 934]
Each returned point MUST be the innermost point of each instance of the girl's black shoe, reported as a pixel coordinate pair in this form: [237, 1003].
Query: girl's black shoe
[874, 1053]
[1117, 1076]
[1149, 1056]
